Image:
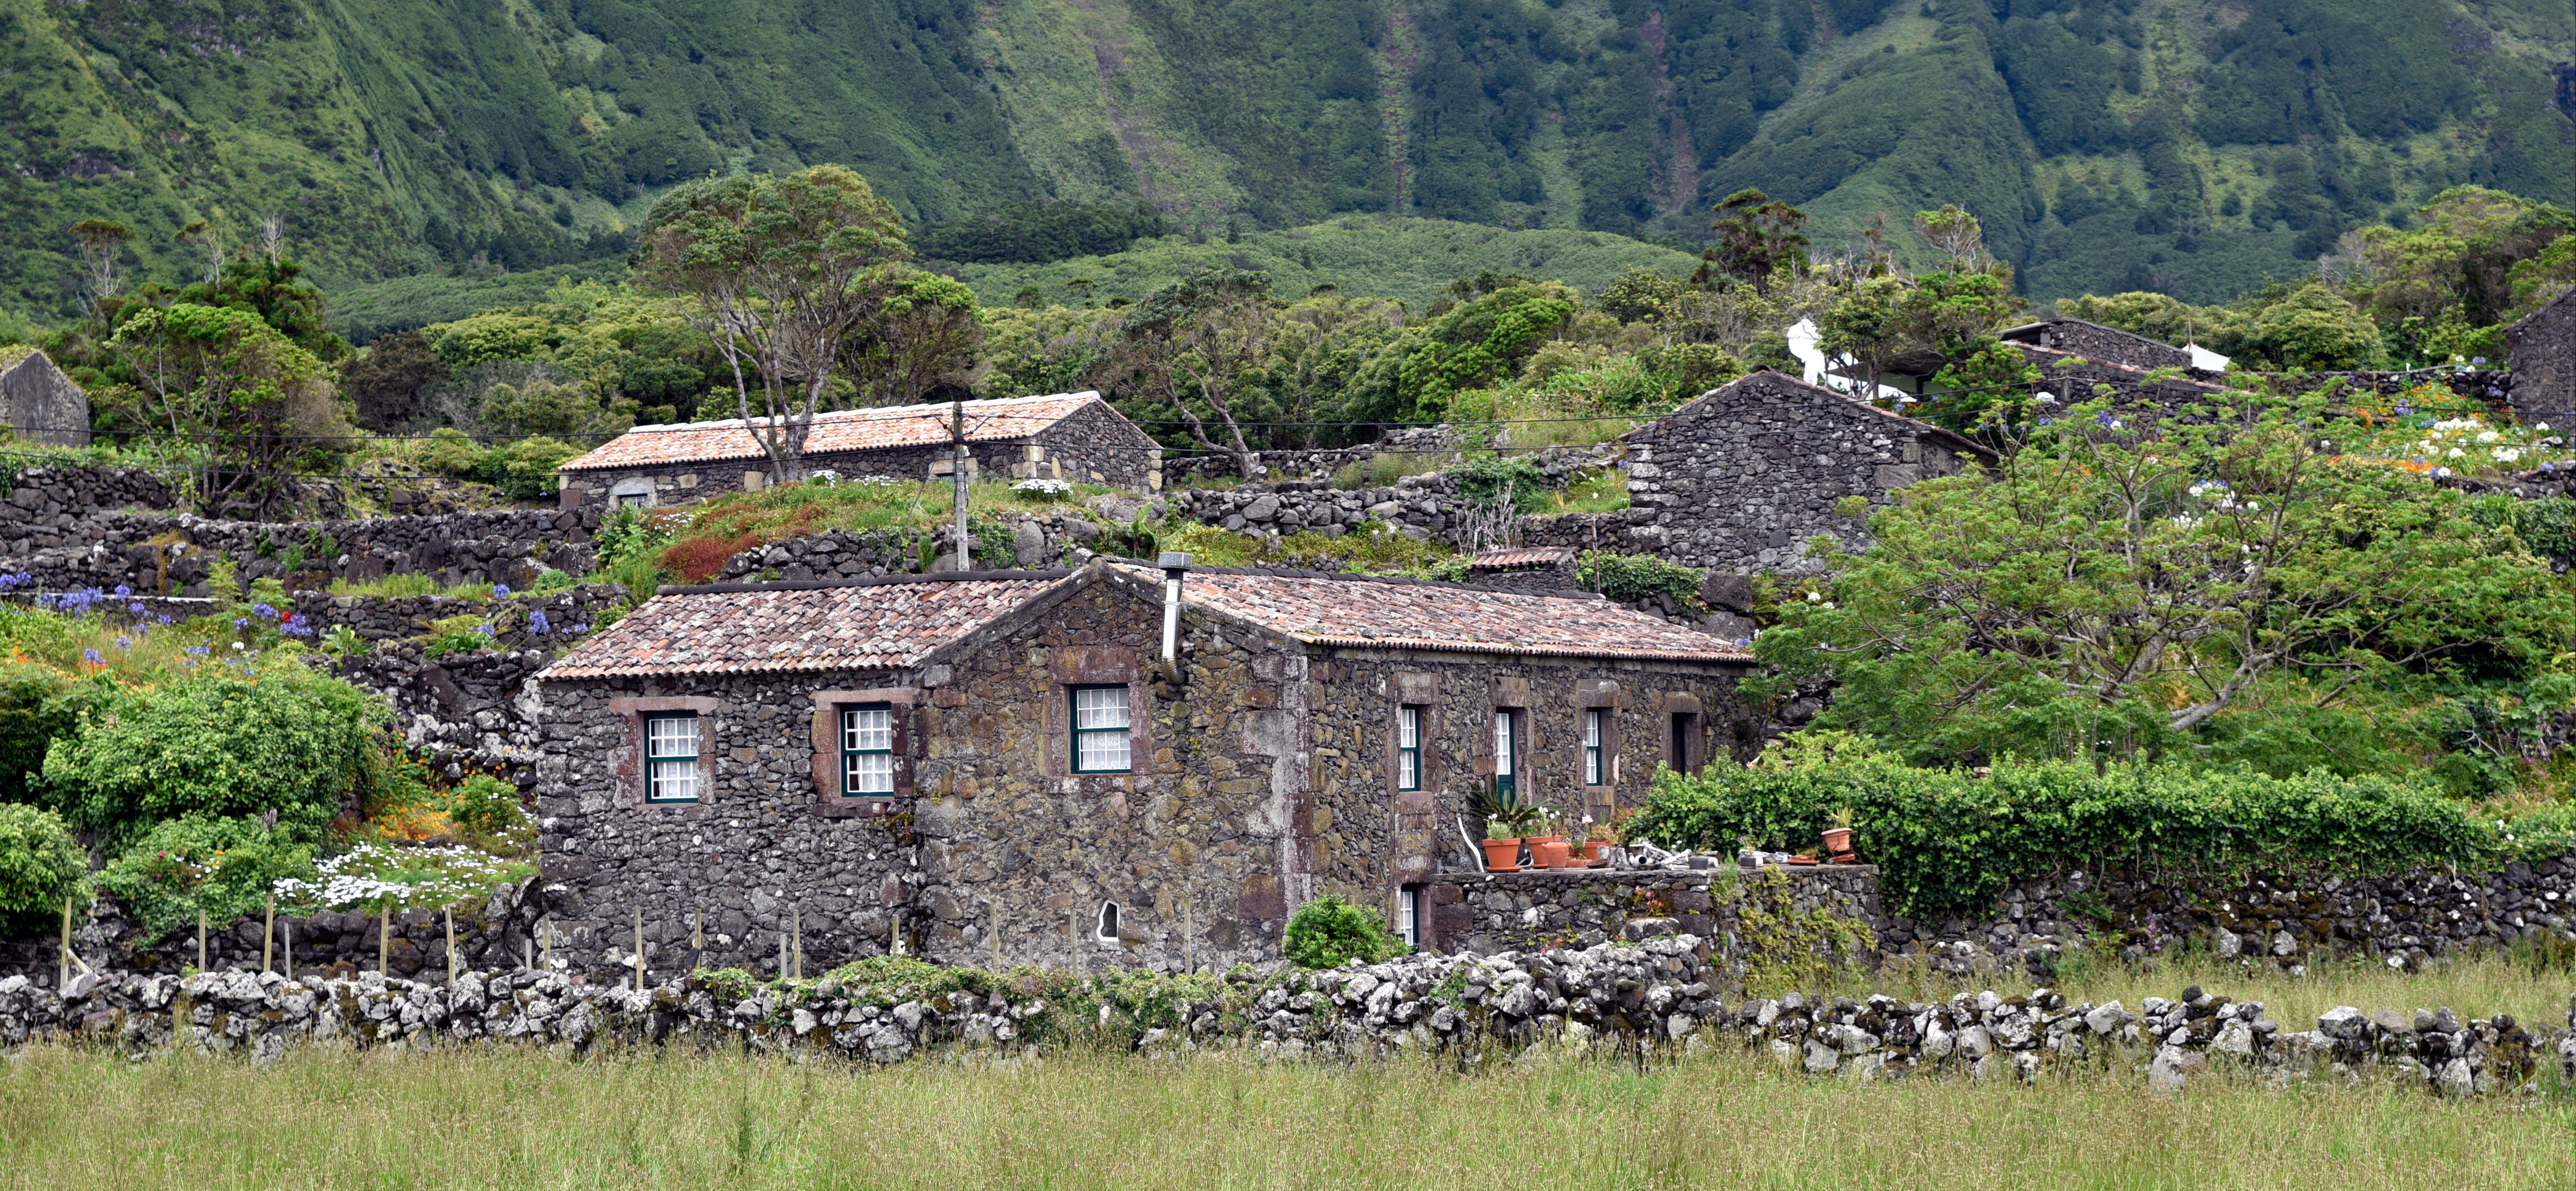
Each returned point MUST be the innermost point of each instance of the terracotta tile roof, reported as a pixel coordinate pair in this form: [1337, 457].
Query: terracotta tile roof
[849, 430]
[777, 629]
[1361, 613]
[1512, 560]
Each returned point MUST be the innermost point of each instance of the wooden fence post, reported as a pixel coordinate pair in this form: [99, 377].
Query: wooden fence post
[547, 941]
[450, 912]
[796, 925]
[201, 940]
[384, 938]
[63, 977]
[268, 937]
[286, 937]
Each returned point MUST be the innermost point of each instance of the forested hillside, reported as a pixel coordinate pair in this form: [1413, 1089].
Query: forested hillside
[2191, 146]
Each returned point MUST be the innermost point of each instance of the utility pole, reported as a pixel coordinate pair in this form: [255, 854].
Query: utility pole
[957, 476]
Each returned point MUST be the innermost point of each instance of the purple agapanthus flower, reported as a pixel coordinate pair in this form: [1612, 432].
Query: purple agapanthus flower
[91, 656]
[123, 591]
[537, 623]
[500, 591]
[136, 607]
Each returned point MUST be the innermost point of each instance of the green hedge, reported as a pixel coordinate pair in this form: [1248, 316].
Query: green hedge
[1328, 932]
[1948, 840]
[39, 866]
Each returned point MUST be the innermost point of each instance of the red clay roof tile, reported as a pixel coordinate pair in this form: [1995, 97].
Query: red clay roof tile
[849, 430]
[881, 626]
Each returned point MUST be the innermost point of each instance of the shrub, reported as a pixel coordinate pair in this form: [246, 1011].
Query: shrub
[39, 865]
[218, 746]
[1631, 577]
[451, 635]
[525, 469]
[701, 559]
[1950, 841]
[1328, 932]
[222, 866]
[485, 805]
[37, 704]
[1484, 482]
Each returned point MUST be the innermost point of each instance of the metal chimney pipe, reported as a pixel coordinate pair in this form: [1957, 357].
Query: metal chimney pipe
[1176, 565]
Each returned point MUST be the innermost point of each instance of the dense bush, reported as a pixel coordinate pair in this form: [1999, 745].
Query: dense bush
[1631, 577]
[222, 866]
[1951, 841]
[37, 704]
[39, 865]
[1328, 932]
[1487, 482]
[219, 746]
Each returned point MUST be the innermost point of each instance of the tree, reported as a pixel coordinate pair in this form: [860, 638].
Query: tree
[774, 266]
[209, 239]
[917, 334]
[102, 248]
[251, 404]
[1187, 344]
[387, 381]
[2313, 329]
[2114, 592]
[1756, 235]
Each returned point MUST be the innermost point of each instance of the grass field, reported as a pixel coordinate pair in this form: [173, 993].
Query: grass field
[510, 1119]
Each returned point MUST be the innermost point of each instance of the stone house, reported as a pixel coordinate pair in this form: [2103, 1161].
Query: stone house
[1066, 436]
[2109, 345]
[41, 403]
[1000, 767]
[2542, 349]
[1740, 478]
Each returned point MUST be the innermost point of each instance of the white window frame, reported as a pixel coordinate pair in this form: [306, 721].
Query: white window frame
[1596, 746]
[1506, 749]
[1408, 747]
[664, 731]
[1408, 916]
[867, 751]
[1083, 733]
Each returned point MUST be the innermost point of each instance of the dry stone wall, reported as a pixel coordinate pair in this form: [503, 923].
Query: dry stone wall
[1660, 996]
[176, 555]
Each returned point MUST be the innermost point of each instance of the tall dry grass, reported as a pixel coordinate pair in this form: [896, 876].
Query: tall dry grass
[515, 1118]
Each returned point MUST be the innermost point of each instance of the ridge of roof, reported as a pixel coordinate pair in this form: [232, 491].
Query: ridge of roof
[732, 438]
[2566, 298]
[1845, 398]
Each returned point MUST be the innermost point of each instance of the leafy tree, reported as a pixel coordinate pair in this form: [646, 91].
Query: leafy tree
[386, 383]
[1035, 233]
[1186, 345]
[221, 866]
[1496, 328]
[2112, 592]
[40, 865]
[920, 336]
[1756, 236]
[775, 267]
[1047, 349]
[221, 380]
[2314, 329]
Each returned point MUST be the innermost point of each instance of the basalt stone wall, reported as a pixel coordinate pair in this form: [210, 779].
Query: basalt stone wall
[1659, 996]
[1739, 479]
[1485, 913]
[1427, 506]
[1038, 543]
[177, 555]
[45, 496]
[2543, 350]
[1411, 442]
[2284, 920]
[1580, 531]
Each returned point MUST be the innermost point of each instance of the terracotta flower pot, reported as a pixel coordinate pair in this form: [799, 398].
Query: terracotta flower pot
[1550, 854]
[1837, 840]
[1595, 851]
[1503, 855]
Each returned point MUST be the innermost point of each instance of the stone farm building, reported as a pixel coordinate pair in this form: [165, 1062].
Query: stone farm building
[998, 766]
[1066, 436]
[42, 404]
[1740, 478]
[2542, 347]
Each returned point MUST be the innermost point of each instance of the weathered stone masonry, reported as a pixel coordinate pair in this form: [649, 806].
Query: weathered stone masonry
[1739, 479]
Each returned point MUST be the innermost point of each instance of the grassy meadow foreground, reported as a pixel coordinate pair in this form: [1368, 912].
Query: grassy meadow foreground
[1089, 1117]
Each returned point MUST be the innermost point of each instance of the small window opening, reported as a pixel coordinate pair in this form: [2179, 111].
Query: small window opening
[671, 758]
[1408, 748]
[1680, 752]
[1506, 751]
[1596, 764]
[1107, 930]
[1408, 916]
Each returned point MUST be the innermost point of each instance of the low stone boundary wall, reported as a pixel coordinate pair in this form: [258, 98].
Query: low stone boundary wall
[1654, 996]
[1429, 505]
[176, 555]
[1539, 908]
[58, 496]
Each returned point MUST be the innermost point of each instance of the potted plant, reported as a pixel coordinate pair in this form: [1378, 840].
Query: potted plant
[1597, 842]
[1506, 819]
[1838, 833]
[1749, 853]
[1537, 829]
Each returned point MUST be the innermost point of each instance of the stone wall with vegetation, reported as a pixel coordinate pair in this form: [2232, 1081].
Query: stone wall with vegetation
[177, 555]
[1659, 996]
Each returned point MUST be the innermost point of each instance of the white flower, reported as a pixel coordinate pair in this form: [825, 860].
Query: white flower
[1812, 597]
[2507, 454]
[2456, 453]
[2487, 436]
[2540, 425]
[1043, 487]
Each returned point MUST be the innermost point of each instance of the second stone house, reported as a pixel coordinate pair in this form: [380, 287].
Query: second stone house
[1003, 767]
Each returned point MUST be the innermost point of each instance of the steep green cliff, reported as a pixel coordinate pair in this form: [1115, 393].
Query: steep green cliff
[2190, 145]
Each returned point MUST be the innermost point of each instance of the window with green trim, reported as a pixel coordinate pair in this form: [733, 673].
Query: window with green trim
[671, 758]
[1506, 751]
[1100, 729]
[1408, 747]
[1596, 753]
[867, 750]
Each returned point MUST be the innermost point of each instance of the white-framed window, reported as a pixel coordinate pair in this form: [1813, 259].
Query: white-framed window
[1408, 747]
[1596, 750]
[1100, 730]
[1105, 928]
[1408, 916]
[867, 750]
[671, 757]
[1506, 750]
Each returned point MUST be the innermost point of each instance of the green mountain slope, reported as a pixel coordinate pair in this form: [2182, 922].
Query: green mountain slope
[2189, 145]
